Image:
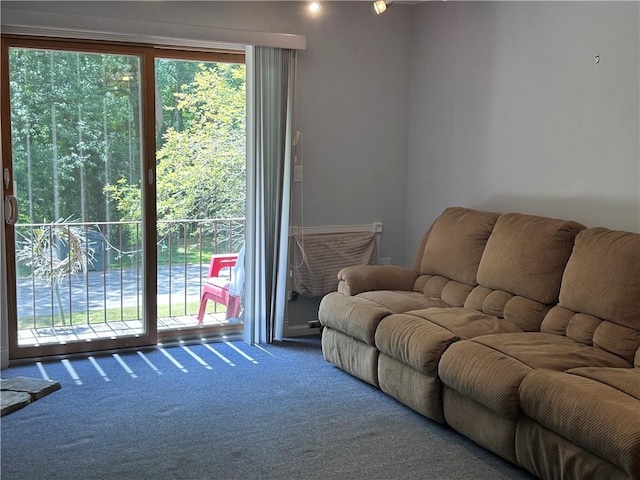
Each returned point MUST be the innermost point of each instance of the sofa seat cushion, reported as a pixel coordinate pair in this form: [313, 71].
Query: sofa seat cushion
[419, 338]
[490, 369]
[466, 323]
[400, 301]
[356, 317]
[414, 341]
[359, 316]
[597, 409]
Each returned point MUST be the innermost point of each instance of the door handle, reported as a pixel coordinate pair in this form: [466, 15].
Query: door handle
[10, 209]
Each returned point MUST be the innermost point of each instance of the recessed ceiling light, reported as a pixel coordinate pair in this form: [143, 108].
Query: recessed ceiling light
[314, 7]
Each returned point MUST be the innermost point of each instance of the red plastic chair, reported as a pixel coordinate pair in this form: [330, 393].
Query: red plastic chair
[216, 288]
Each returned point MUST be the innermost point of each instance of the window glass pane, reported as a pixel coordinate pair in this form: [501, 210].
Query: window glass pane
[75, 120]
[200, 200]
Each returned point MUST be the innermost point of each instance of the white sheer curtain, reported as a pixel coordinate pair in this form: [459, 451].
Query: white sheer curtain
[270, 109]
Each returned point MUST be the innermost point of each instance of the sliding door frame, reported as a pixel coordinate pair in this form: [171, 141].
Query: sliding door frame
[146, 55]
[217, 56]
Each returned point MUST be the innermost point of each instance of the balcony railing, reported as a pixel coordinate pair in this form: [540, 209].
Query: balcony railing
[78, 279]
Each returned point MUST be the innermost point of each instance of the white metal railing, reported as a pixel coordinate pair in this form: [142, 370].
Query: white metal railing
[86, 273]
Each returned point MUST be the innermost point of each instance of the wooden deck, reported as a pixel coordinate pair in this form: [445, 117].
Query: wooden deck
[68, 334]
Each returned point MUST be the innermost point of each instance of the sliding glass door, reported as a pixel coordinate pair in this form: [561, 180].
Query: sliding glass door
[79, 118]
[124, 178]
[124, 181]
[201, 182]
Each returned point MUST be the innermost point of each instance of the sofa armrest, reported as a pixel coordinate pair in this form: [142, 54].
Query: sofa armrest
[364, 278]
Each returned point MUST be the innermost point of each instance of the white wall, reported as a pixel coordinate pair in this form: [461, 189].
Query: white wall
[510, 112]
[353, 100]
[354, 110]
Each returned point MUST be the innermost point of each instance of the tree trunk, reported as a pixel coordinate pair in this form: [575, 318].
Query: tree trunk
[105, 158]
[54, 146]
[83, 193]
[29, 172]
[56, 175]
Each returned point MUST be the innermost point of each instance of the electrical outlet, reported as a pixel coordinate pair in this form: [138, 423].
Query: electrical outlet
[297, 173]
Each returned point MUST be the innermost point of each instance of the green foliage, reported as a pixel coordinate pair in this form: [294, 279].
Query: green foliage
[76, 138]
[127, 198]
[202, 168]
[201, 164]
[171, 77]
[76, 125]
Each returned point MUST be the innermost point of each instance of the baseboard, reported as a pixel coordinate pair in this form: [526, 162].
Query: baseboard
[299, 330]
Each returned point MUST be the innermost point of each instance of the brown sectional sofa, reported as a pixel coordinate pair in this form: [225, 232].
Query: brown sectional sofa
[520, 332]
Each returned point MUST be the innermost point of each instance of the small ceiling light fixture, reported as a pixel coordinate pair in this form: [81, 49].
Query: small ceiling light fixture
[380, 6]
[314, 7]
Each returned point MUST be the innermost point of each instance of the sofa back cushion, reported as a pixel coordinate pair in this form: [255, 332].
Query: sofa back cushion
[600, 294]
[526, 256]
[521, 269]
[455, 244]
[602, 277]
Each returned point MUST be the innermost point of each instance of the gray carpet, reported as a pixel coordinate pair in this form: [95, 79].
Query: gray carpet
[227, 411]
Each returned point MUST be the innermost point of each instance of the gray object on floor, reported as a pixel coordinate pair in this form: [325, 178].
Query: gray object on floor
[19, 392]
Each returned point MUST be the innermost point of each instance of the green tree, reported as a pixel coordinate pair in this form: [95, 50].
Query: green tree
[171, 77]
[201, 164]
[71, 112]
[75, 120]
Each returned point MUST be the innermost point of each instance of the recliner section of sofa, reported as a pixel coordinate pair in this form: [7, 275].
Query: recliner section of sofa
[515, 290]
[595, 324]
[444, 274]
[581, 419]
[529, 345]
